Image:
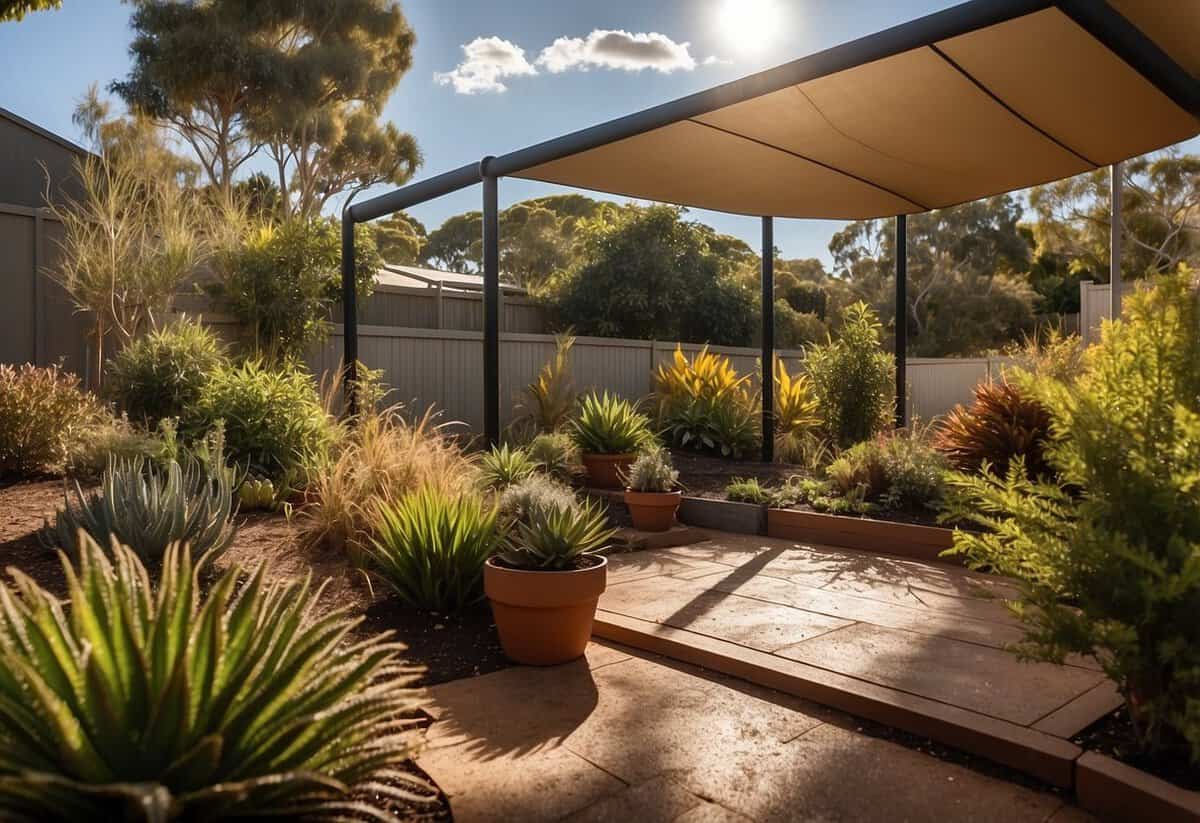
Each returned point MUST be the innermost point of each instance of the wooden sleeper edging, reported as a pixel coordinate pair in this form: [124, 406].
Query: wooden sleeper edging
[879, 536]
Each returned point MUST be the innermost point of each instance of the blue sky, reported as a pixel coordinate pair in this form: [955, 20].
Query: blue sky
[50, 58]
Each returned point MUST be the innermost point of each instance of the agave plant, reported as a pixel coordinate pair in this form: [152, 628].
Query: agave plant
[148, 507]
[430, 548]
[162, 703]
[504, 466]
[552, 537]
[608, 424]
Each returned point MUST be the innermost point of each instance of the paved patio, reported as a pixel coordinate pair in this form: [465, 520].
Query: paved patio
[625, 736]
[920, 646]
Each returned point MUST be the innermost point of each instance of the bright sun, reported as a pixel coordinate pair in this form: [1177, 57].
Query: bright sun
[749, 25]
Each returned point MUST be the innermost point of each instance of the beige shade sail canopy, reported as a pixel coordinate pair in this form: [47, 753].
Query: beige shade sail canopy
[1036, 92]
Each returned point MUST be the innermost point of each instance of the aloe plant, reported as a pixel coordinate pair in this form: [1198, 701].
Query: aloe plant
[161, 703]
[147, 508]
[552, 537]
[504, 466]
[608, 424]
[430, 548]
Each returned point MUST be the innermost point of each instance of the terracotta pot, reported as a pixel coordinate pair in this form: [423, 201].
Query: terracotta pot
[652, 511]
[544, 617]
[605, 471]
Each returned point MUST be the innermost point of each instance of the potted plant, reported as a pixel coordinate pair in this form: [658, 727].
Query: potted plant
[652, 491]
[609, 431]
[546, 580]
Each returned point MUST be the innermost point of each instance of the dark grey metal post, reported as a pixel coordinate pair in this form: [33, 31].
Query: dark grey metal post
[349, 318]
[1115, 236]
[767, 369]
[901, 321]
[491, 309]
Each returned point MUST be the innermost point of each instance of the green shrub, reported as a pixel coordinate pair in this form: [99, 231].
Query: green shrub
[537, 490]
[147, 508]
[132, 701]
[704, 404]
[1109, 558]
[853, 378]
[652, 471]
[897, 470]
[163, 373]
[557, 455]
[116, 439]
[747, 490]
[503, 466]
[557, 538]
[274, 422]
[430, 549]
[608, 424]
[44, 418]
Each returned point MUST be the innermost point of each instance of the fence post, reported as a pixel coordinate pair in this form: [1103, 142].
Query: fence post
[653, 364]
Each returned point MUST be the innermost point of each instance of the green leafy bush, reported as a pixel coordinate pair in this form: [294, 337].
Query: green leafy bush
[897, 470]
[116, 439]
[557, 455]
[144, 702]
[44, 418]
[704, 404]
[503, 466]
[274, 422]
[747, 490]
[1003, 423]
[608, 424]
[853, 379]
[430, 549]
[147, 508]
[162, 374]
[557, 538]
[652, 471]
[1108, 559]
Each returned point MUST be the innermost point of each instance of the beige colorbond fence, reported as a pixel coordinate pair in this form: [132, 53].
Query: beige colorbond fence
[445, 368]
[1094, 307]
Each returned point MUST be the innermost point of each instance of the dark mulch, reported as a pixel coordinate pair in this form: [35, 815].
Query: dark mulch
[702, 475]
[448, 646]
[1113, 735]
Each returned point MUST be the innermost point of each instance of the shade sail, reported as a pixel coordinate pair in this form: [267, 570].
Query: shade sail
[984, 98]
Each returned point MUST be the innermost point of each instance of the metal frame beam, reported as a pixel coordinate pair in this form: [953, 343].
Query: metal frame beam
[491, 309]
[767, 364]
[901, 321]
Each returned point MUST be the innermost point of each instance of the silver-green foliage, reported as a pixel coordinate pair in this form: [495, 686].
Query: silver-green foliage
[161, 703]
[652, 472]
[552, 537]
[148, 507]
[430, 548]
[536, 490]
[556, 454]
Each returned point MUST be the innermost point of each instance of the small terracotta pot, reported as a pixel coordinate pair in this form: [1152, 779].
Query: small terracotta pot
[652, 511]
[606, 471]
[544, 618]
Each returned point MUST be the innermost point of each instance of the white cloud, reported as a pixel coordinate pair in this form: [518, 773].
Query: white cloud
[488, 61]
[611, 49]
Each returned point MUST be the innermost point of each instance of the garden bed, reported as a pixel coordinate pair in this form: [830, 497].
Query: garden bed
[913, 540]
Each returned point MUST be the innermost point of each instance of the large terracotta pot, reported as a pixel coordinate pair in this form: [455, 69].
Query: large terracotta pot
[544, 617]
[652, 511]
[606, 471]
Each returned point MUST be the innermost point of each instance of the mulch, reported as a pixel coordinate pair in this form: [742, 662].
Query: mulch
[1113, 735]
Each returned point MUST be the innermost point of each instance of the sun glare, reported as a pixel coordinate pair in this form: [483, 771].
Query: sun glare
[749, 25]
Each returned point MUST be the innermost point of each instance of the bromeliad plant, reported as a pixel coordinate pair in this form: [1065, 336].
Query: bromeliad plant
[148, 507]
[704, 404]
[430, 548]
[551, 537]
[608, 424]
[162, 703]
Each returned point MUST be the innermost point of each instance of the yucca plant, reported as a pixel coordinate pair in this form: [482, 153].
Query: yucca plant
[430, 548]
[147, 507]
[161, 703]
[551, 537]
[1003, 423]
[608, 424]
[547, 402]
[503, 466]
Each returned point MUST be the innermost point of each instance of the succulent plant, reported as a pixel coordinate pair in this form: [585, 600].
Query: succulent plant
[148, 507]
[135, 701]
[256, 493]
[556, 454]
[553, 537]
[536, 490]
[503, 466]
[652, 472]
[608, 424]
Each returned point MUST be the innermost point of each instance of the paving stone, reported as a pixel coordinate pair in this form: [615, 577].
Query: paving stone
[660, 800]
[540, 785]
[711, 813]
[982, 679]
[651, 563]
[834, 774]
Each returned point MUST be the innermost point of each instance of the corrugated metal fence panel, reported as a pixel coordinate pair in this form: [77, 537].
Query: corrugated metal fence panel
[1094, 307]
[935, 386]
